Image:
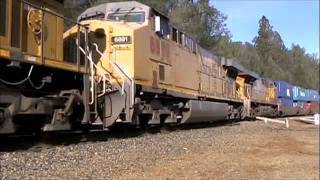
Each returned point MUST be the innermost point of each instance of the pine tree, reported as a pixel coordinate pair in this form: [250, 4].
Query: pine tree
[263, 41]
[210, 23]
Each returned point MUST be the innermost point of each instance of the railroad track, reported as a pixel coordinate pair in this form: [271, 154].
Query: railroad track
[38, 142]
[107, 155]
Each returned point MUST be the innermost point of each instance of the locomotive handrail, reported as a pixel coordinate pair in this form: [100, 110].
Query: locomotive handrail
[114, 63]
[98, 51]
[92, 64]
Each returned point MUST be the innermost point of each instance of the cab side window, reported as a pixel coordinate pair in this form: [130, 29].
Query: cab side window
[180, 37]
[165, 28]
[15, 26]
[174, 35]
[3, 13]
[163, 24]
[194, 47]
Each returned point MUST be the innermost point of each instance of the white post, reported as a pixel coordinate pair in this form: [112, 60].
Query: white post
[287, 122]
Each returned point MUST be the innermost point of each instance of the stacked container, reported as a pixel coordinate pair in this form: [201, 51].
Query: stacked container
[284, 89]
[285, 99]
[307, 107]
[313, 96]
[299, 94]
[300, 98]
[314, 101]
[296, 100]
[285, 102]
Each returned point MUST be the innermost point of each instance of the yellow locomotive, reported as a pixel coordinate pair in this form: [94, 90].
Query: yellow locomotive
[159, 74]
[121, 63]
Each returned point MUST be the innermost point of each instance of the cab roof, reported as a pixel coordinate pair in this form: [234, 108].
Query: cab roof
[115, 7]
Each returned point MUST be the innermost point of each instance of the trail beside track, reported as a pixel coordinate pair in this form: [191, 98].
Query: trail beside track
[247, 150]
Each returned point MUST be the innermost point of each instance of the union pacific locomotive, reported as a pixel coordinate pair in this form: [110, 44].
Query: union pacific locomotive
[121, 63]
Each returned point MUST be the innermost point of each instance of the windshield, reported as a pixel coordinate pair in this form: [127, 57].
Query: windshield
[97, 16]
[128, 17]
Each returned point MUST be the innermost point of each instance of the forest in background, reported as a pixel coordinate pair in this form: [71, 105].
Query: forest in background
[266, 54]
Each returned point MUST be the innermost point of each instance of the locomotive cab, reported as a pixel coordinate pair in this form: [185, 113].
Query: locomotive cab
[111, 35]
[112, 31]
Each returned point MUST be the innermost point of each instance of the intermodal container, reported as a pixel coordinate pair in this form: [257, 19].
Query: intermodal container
[313, 96]
[286, 102]
[301, 104]
[307, 106]
[298, 104]
[299, 94]
[284, 89]
[315, 106]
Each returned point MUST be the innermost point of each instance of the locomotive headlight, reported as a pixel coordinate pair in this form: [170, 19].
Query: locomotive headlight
[121, 40]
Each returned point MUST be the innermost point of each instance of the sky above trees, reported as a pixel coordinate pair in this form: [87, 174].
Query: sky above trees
[297, 21]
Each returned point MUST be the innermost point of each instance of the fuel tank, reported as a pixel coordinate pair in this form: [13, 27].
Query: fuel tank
[204, 111]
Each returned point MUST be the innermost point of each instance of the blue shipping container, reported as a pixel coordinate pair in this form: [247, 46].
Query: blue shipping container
[284, 89]
[313, 96]
[299, 93]
[285, 102]
[298, 104]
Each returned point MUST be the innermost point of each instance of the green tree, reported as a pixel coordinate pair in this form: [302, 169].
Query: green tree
[263, 41]
[210, 23]
[223, 47]
[277, 46]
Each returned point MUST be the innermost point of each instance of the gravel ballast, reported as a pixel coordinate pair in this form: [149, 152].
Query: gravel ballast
[244, 150]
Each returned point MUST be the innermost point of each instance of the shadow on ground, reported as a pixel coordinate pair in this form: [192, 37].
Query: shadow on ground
[37, 142]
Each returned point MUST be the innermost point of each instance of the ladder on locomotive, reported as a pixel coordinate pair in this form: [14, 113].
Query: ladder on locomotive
[126, 88]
